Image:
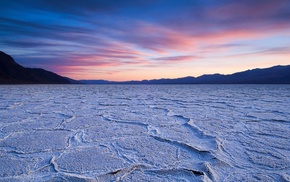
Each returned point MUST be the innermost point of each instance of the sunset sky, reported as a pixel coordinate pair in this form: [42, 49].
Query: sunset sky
[145, 39]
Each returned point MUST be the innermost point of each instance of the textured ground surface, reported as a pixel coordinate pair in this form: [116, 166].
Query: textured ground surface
[145, 133]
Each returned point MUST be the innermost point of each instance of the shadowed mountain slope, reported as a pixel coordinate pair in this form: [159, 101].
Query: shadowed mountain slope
[13, 73]
[273, 75]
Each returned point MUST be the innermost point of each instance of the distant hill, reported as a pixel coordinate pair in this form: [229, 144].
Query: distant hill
[96, 82]
[273, 75]
[13, 73]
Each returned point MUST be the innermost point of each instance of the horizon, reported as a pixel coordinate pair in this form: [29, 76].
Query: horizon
[183, 76]
[144, 40]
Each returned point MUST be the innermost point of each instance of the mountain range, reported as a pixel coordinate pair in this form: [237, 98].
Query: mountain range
[13, 73]
[273, 75]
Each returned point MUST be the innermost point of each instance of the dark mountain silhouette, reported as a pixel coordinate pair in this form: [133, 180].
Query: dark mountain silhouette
[97, 82]
[13, 73]
[273, 75]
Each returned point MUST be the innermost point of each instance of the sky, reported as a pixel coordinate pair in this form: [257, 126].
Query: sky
[121, 40]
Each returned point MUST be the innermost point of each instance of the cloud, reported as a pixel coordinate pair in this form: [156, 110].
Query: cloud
[176, 59]
[29, 43]
[270, 51]
[106, 33]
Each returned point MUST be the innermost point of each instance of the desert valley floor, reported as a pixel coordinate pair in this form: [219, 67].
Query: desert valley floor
[145, 133]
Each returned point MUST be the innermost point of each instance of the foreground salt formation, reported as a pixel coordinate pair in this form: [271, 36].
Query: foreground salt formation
[145, 133]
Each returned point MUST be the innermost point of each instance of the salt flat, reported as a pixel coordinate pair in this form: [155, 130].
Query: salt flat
[145, 133]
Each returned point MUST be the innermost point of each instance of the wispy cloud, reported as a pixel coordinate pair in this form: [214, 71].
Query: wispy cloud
[177, 59]
[110, 35]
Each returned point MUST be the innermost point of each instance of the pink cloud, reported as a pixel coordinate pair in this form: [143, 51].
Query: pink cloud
[177, 59]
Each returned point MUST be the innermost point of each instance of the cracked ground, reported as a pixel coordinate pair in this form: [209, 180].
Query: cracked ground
[144, 133]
